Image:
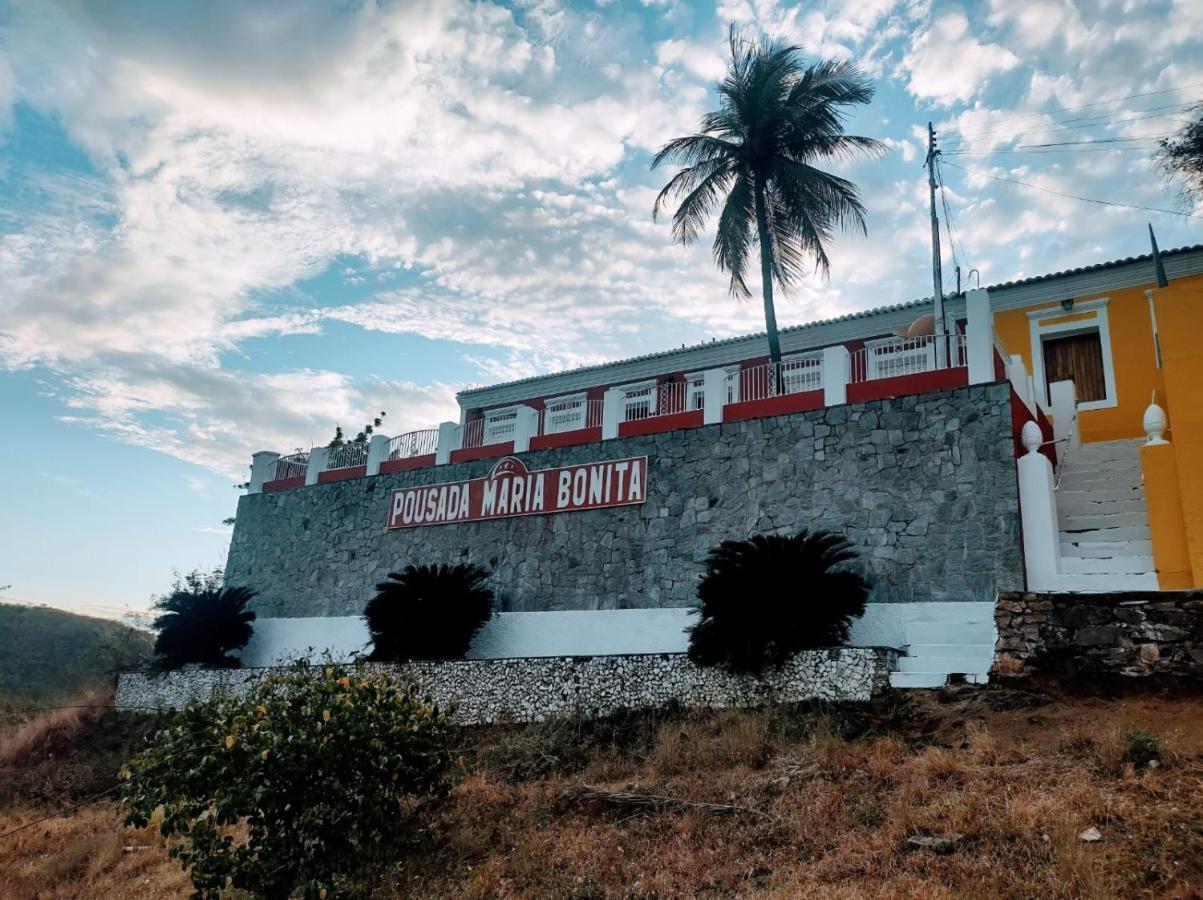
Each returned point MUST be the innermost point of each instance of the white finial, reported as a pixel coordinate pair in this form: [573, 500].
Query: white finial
[1031, 436]
[1155, 424]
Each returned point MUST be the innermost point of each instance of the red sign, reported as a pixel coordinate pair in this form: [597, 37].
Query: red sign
[511, 490]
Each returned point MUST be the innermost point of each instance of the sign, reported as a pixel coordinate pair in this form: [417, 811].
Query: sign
[510, 489]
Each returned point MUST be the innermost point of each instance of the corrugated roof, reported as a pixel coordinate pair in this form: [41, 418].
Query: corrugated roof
[863, 314]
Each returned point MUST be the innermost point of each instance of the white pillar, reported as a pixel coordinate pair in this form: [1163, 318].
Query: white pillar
[835, 375]
[263, 469]
[526, 426]
[612, 412]
[979, 336]
[1065, 417]
[449, 439]
[377, 452]
[318, 457]
[1038, 510]
[1017, 373]
[714, 395]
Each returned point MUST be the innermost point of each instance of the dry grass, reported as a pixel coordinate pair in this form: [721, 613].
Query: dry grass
[1020, 784]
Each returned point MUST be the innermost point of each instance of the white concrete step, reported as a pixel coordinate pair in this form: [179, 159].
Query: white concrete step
[1094, 535]
[946, 665]
[1105, 549]
[1094, 584]
[1080, 505]
[1092, 521]
[923, 633]
[1108, 565]
[918, 679]
[952, 651]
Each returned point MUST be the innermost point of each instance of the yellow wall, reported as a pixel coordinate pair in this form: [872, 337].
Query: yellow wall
[1163, 496]
[1180, 323]
[1136, 374]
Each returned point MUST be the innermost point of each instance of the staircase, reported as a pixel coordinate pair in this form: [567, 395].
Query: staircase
[937, 650]
[1103, 520]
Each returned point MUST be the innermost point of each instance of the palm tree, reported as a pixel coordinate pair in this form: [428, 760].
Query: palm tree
[756, 158]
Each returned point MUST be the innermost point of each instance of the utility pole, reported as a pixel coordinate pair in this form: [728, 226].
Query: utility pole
[937, 274]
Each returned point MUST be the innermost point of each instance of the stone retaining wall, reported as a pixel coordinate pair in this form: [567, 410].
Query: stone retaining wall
[922, 485]
[1131, 633]
[531, 690]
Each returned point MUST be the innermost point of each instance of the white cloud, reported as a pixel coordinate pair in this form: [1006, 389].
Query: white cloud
[947, 64]
[705, 62]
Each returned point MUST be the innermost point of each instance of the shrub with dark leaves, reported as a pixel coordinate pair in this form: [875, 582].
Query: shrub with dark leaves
[764, 599]
[428, 612]
[202, 622]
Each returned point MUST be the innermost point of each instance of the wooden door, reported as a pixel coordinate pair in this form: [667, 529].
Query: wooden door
[1077, 358]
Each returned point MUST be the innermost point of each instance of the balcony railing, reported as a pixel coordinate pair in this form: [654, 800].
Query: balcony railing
[413, 443]
[895, 357]
[659, 400]
[570, 415]
[790, 376]
[488, 430]
[295, 465]
[347, 456]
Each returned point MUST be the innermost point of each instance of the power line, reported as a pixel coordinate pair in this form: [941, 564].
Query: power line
[1087, 122]
[1051, 112]
[1170, 212]
[953, 237]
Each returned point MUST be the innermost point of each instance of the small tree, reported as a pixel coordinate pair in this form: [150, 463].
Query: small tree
[428, 612]
[296, 787]
[1181, 157]
[202, 622]
[764, 599]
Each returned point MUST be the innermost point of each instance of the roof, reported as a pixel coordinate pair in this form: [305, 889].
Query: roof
[574, 378]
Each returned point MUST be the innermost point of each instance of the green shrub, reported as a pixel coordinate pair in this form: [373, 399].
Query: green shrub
[428, 612]
[202, 622]
[295, 787]
[1141, 749]
[764, 599]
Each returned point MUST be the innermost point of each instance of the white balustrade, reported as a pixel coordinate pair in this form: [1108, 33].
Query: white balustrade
[1038, 510]
[263, 470]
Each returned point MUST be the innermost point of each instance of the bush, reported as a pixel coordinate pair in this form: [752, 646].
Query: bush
[202, 622]
[764, 599]
[1142, 748]
[295, 787]
[428, 612]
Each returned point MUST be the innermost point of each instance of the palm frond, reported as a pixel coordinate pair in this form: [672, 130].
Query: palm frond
[734, 236]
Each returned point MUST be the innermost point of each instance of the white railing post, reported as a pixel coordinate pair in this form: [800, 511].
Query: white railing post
[526, 426]
[1038, 510]
[377, 452]
[449, 439]
[612, 402]
[714, 395]
[1155, 423]
[979, 336]
[1017, 373]
[263, 469]
[1065, 416]
[835, 375]
[319, 457]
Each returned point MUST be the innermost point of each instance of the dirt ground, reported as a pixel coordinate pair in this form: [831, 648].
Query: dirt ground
[810, 802]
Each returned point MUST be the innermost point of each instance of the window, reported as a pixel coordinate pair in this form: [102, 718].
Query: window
[1077, 358]
[801, 372]
[499, 426]
[639, 401]
[892, 357]
[697, 392]
[564, 414]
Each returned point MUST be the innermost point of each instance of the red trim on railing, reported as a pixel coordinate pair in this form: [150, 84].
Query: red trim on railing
[341, 474]
[470, 453]
[566, 438]
[283, 484]
[773, 406]
[901, 385]
[404, 465]
[654, 424]
[1020, 416]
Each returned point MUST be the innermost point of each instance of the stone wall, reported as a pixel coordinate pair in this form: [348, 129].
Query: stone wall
[531, 690]
[1131, 633]
[923, 485]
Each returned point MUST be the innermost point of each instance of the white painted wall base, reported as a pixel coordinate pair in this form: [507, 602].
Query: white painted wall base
[616, 631]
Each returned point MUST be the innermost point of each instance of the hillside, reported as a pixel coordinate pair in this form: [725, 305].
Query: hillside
[48, 653]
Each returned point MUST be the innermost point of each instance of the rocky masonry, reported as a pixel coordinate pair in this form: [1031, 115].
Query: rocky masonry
[1133, 633]
[531, 690]
[923, 485]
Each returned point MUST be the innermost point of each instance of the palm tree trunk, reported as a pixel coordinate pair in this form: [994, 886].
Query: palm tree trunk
[766, 279]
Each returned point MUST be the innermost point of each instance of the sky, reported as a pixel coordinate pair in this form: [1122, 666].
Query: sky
[227, 226]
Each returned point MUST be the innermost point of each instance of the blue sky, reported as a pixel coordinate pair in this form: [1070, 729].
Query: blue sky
[226, 226]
